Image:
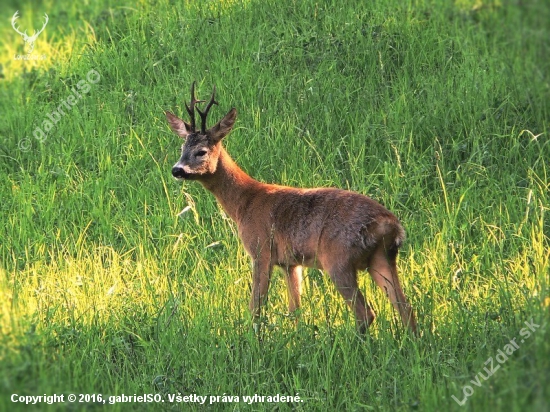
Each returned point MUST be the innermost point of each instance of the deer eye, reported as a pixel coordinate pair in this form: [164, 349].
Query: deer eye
[201, 153]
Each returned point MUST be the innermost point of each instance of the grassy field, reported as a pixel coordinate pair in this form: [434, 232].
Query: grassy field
[438, 109]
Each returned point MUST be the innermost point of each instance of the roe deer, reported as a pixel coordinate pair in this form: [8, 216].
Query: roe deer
[334, 230]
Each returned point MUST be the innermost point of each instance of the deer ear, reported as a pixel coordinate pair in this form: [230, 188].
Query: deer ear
[223, 127]
[178, 126]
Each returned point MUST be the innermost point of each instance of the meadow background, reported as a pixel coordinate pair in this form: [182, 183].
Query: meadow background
[438, 109]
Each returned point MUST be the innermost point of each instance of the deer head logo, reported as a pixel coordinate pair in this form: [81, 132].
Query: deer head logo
[29, 40]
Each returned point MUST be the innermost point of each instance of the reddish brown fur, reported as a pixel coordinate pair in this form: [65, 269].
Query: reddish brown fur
[334, 230]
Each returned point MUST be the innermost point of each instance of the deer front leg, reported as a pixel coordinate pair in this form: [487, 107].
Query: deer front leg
[261, 273]
[294, 286]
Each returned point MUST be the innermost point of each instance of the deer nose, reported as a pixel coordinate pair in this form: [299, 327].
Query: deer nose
[178, 172]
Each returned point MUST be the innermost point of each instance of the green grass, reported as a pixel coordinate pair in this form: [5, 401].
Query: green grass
[439, 110]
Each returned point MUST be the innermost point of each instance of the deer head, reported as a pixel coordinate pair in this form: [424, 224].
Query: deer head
[29, 40]
[201, 149]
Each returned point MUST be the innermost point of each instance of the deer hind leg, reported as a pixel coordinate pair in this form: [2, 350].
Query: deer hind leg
[383, 270]
[345, 280]
[294, 286]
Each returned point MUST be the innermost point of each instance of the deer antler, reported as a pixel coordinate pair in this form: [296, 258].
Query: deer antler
[13, 19]
[29, 40]
[43, 27]
[205, 113]
[191, 109]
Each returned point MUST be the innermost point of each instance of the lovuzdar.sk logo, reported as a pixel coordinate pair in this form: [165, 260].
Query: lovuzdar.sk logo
[29, 40]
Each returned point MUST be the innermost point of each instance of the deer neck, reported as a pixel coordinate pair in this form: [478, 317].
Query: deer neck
[231, 186]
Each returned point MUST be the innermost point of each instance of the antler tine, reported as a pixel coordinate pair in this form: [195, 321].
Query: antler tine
[191, 109]
[13, 20]
[205, 113]
[44, 26]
